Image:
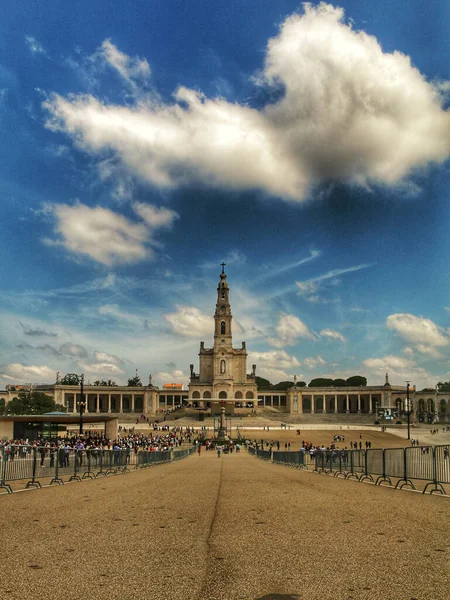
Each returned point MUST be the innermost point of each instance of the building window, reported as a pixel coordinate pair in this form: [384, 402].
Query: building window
[222, 366]
[222, 327]
[222, 395]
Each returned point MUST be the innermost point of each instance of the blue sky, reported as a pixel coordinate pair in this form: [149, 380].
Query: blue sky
[306, 146]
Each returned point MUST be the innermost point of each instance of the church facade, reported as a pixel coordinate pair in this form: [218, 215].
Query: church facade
[222, 373]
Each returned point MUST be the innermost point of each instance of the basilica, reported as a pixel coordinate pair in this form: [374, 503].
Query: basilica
[223, 380]
[223, 369]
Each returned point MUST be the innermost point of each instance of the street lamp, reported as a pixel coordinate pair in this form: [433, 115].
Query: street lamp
[408, 410]
[81, 404]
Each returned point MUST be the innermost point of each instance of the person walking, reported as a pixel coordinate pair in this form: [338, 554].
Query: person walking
[199, 449]
[219, 450]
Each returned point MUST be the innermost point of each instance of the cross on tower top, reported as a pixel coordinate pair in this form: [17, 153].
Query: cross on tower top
[223, 267]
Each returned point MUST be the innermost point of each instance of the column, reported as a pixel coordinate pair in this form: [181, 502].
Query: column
[109, 402]
[132, 403]
[120, 407]
[97, 408]
[347, 408]
[145, 405]
[312, 404]
[370, 404]
[335, 403]
[358, 405]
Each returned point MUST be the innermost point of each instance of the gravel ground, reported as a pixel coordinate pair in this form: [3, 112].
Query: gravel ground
[221, 529]
[385, 439]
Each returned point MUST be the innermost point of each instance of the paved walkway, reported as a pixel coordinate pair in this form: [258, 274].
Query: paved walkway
[221, 529]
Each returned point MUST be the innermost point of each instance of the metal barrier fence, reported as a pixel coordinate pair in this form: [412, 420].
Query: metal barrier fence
[290, 459]
[425, 463]
[34, 463]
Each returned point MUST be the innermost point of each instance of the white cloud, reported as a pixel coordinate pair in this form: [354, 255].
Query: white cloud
[28, 373]
[400, 369]
[100, 368]
[428, 350]
[155, 217]
[131, 70]
[173, 375]
[73, 350]
[113, 311]
[289, 329]
[332, 334]
[349, 112]
[101, 234]
[35, 46]
[190, 322]
[277, 359]
[108, 358]
[105, 236]
[269, 271]
[309, 289]
[312, 362]
[423, 334]
[408, 351]
[273, 375]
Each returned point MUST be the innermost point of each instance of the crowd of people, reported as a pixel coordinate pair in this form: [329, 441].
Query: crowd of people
[160, 439]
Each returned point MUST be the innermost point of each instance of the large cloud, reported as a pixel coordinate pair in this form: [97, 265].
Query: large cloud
[101, 368]
[289, 330]
[190, 322]
[275, 359]
[400, 369]
[422, 333]
[105, 236]
[348, 111]
[20, 373]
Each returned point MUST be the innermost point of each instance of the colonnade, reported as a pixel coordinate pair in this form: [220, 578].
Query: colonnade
[334, 403]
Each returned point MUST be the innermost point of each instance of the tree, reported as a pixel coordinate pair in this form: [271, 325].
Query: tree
[263, 384]
[321, 382]
[339, 383]
[443, 386]
[135, 382]
[71, 379]
[32, 403]
[357, 380]
[284, 385]
[108, 383]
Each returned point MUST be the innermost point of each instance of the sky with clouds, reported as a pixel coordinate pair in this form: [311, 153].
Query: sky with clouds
[305, 145]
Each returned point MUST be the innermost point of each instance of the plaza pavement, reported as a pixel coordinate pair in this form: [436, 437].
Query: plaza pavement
[206, 528]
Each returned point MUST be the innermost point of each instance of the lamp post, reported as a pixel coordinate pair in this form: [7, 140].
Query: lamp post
[408, 410]
[82, 404]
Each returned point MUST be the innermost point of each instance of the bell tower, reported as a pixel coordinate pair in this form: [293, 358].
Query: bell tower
[223, 369]
[222, 317]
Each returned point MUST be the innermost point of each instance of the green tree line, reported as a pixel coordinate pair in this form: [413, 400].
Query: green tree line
[355, 380]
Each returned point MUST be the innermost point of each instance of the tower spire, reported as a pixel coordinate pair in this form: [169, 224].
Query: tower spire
[222, 316]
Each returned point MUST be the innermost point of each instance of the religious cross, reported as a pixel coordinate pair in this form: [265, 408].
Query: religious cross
[223, 267]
